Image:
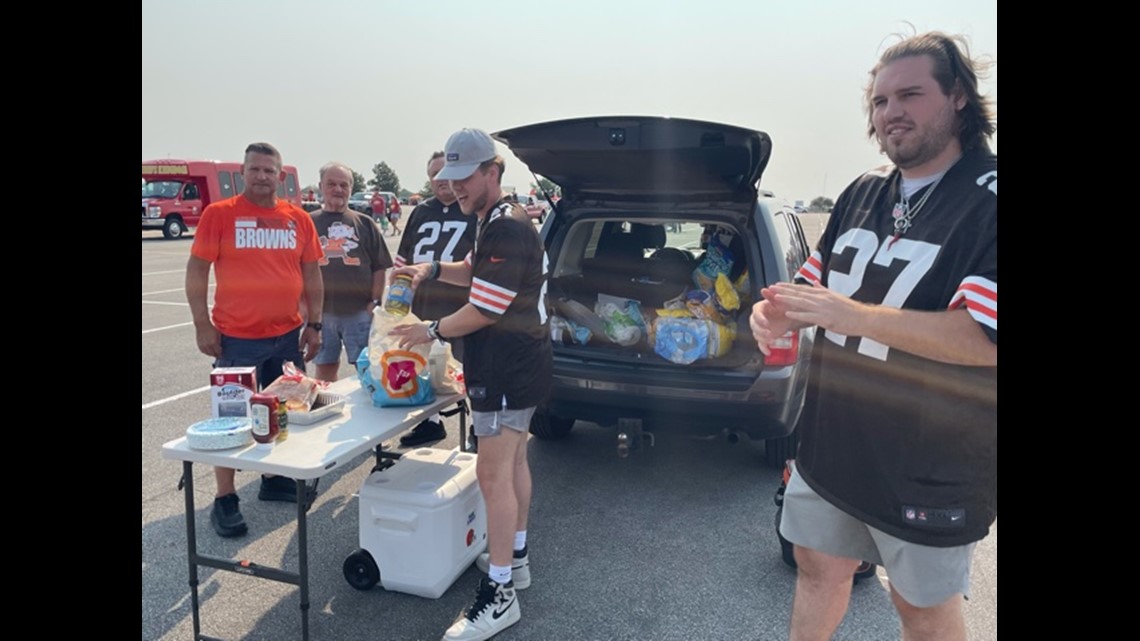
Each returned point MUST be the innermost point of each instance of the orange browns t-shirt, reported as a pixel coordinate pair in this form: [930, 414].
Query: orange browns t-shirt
[257, 254]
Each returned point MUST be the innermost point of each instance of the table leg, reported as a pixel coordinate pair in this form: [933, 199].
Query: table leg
[303, 554]
[191, 543]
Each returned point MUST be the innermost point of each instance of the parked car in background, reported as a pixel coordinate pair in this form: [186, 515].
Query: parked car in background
[535, 208]
[666, 213]
[361, 201]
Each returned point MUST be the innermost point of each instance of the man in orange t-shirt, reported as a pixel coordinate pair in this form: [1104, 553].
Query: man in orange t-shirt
[264, 252]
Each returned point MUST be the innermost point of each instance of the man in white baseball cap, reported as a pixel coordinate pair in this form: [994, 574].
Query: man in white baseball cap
[507, 366]
[465, 150]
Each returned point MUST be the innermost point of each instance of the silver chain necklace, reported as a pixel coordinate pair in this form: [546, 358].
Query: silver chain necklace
[904, 214]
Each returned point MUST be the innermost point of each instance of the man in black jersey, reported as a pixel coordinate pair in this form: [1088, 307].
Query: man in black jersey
[507, 366]
[897, 462]
[437, 230]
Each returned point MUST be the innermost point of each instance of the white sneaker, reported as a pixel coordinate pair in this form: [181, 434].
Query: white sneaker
[496, 608]
[520, 568]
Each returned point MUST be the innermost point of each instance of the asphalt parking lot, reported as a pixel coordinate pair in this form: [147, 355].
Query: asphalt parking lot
[675, 543]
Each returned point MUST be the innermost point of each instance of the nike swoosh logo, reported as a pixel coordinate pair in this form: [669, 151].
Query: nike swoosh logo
[502, 610]
[497, 260]
[955, 517]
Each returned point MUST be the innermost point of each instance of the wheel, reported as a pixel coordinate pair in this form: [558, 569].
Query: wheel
[548, 427]
[787, 550]
[360, 570]
[865, 570]
[173, 228]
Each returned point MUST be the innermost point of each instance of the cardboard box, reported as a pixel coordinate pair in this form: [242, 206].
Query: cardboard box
[231, 388]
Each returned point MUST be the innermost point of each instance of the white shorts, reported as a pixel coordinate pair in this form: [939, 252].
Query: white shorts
[491, 423]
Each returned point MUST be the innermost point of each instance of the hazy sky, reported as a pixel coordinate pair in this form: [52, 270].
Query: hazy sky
[364, 81]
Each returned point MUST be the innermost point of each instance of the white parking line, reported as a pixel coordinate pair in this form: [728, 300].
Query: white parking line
[169, 271]
[147, 406]
[159, 329]
[163, 302]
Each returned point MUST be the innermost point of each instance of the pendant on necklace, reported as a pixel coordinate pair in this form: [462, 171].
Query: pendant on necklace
[445, 209]
[899, 211]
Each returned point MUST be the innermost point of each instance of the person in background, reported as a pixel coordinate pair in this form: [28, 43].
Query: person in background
[353, 268]
[437, 229]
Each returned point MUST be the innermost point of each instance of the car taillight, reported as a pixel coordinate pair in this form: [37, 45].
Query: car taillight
[784, 350]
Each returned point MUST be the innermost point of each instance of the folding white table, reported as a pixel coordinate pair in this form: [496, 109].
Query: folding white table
[310, 452]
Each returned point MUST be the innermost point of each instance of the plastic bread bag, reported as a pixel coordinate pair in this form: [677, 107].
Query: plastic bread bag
[391, 375]
[703, 305]
[295, 389]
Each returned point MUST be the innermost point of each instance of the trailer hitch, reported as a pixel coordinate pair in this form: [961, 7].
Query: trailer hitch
[630, 436]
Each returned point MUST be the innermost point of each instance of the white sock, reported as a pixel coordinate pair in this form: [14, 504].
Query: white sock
[500, 574]
[520, 540]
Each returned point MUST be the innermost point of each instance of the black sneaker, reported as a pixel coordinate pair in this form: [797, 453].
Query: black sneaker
[280, 488]
[226, 517]
[496, 608]
[426, 432]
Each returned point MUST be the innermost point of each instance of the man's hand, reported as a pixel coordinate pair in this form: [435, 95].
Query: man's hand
[310, 343]
[411, 334]
[818, 305]
[209, 339]
[768, 322]
[418, 272]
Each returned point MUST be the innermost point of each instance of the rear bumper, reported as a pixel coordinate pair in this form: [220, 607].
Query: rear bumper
[765, 407]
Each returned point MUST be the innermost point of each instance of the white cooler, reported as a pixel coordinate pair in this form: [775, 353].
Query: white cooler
[423, 522]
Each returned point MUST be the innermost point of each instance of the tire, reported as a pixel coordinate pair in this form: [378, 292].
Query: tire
[778, 450]
[173, 228]
[548, 427]
[360, 570]
[787, 550]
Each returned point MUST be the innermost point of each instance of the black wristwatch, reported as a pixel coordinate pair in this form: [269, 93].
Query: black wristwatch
[316, 326]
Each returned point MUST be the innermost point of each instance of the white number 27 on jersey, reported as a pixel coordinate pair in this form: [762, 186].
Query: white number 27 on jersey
[919, 256]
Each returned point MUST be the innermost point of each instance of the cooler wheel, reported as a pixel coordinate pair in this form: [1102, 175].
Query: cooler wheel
[360, 570]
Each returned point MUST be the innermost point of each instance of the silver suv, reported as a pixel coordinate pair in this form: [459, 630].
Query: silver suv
[666, 213]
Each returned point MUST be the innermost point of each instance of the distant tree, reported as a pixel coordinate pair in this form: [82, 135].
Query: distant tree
[384, 179]
[821, 204]
[358, 183]
[425, 191]
[550, 188]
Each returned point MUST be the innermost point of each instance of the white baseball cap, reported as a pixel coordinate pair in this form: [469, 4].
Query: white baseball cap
[465, 150]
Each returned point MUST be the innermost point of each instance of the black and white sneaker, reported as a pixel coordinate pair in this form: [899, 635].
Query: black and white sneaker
[496, 608]
[520, 567]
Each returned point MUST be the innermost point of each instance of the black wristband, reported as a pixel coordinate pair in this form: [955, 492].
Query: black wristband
[435, 269]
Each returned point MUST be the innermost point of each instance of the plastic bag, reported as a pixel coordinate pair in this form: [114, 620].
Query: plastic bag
[581, 315]
[621, 318]
[717, 260]
[393, 376]
[295, 389]
[685, 340]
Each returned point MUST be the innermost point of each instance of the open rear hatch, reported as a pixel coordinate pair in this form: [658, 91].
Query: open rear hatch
[646, 156]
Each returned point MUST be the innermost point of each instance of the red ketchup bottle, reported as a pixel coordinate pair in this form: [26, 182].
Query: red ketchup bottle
[263, 408]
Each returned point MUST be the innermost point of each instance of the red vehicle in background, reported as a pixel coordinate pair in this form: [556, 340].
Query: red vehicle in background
[174, 192]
